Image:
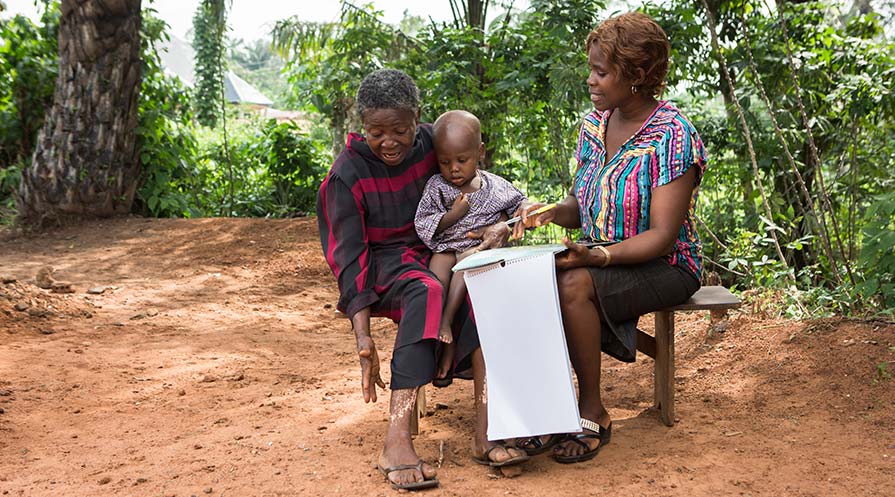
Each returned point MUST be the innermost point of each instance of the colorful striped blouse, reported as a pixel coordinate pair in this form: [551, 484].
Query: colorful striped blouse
[614, 199]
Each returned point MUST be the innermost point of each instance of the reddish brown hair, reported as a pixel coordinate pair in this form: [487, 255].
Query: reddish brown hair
[634, 41]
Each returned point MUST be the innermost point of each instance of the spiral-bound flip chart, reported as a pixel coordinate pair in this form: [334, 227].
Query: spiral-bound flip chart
[529, 379]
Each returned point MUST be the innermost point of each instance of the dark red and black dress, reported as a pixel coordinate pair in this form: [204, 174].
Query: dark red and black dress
[365, 212]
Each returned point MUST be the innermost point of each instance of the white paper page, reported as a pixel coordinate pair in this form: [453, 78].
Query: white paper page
[529, 380]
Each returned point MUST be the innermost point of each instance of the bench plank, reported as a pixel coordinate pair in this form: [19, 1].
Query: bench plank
[709, 298]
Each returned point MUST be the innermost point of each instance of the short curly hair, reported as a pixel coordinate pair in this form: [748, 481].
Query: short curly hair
[634, 41]
[387, 89]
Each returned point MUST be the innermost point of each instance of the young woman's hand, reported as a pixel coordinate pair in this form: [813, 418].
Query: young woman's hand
[527, 221]
[576, 256]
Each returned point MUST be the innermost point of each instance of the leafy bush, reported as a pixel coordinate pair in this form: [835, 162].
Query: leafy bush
[276, 170]
[168, 147]
[835, 137]
[186, 169]
[27, 77]
[877, 259]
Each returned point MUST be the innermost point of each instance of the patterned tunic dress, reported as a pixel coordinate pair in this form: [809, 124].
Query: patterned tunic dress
[614, 196]
[365, 212]
[495, 197]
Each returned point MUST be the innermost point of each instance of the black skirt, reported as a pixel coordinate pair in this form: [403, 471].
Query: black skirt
[627, 292]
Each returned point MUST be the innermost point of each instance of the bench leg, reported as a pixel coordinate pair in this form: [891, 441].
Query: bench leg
[664, 385]
[419, 410]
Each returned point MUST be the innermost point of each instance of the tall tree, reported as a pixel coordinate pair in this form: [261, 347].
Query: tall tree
[86, 160]
[209, 25]
[471, 13]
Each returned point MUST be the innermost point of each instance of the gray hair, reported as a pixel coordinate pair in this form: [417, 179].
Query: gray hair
[387, 89]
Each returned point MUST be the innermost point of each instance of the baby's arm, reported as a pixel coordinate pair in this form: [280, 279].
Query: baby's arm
[458, 210]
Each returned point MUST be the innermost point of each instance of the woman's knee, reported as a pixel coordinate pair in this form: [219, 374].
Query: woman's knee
[575, 285]
[427, 284]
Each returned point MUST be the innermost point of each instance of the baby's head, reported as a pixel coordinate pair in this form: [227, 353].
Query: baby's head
[458, 146]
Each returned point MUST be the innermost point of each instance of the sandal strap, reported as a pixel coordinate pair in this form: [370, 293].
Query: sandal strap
[532, 443]
[497, 445]
[591, 425]
[579, 438]
[402, 467]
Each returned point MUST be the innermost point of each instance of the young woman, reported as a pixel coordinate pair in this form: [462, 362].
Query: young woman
[639, 164]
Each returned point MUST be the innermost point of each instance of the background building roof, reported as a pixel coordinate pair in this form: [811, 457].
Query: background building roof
[178, 58]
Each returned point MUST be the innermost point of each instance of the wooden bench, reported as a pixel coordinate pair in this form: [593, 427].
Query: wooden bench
[661, 346]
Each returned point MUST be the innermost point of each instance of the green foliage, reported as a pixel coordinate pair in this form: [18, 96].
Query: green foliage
[296, 166]
[882, 372]
[844, 65]
[184, 173]
[209, 24]
[523, 79]
[277, 170]
[27, 75]
[877, 259]
[326, 62]
[168, 147]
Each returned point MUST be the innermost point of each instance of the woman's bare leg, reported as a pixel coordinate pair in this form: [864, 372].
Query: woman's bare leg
[480, 443]
[581, 320]
[398, 447]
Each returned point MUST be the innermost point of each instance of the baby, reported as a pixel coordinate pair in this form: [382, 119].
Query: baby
[459, 200]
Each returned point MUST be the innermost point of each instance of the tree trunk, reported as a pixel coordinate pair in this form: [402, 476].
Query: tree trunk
[86, 160]
[476, 10]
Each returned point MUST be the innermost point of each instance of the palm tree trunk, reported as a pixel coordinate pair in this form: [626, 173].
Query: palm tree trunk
[86, 160]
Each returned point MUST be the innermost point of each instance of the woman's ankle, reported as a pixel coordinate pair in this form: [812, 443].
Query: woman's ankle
[597, 414]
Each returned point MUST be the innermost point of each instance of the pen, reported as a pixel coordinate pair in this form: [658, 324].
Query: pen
[537, 211]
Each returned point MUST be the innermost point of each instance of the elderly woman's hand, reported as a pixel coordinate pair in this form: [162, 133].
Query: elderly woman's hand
[366, 352]
[369, 367]
[493, 236]
[576, 256]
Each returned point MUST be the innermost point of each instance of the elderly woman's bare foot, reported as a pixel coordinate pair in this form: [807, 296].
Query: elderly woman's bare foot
[404, 469]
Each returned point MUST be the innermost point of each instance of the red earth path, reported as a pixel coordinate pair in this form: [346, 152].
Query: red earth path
[214, 363]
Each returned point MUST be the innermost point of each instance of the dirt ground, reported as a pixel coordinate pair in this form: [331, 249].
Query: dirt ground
[214, 363]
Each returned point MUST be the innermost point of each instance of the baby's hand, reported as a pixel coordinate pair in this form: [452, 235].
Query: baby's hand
[461, 205]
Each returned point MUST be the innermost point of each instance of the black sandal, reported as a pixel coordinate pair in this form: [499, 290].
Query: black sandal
[534, 446]
[598, 432]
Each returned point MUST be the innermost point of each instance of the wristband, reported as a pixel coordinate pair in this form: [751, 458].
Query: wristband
[606, 254]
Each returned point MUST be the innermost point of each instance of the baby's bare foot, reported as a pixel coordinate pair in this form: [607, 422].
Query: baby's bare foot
[445, 361]
[445, 335]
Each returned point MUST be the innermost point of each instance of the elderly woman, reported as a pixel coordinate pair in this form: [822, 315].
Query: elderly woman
[639, 164]
[365, 211]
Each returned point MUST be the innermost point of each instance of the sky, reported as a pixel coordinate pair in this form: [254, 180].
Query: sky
[252, 19]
